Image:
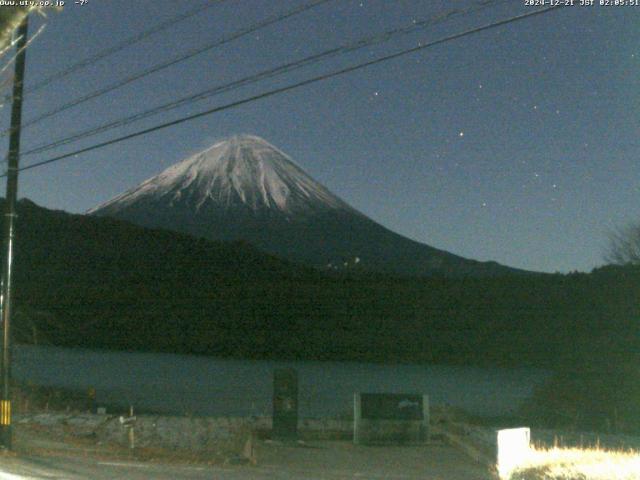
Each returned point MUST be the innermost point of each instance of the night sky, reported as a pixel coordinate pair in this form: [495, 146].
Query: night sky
[518, 144]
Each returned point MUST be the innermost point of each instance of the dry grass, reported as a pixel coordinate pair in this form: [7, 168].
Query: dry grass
[578, 464]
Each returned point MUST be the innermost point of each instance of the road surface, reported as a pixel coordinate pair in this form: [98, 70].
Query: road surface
[320, 460]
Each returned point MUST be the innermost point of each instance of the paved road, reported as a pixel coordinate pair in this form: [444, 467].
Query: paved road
[325, 460]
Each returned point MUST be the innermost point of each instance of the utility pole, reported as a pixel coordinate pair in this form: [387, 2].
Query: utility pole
[9, 221]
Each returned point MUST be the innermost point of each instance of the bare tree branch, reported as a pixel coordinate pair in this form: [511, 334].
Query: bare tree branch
[624, 246]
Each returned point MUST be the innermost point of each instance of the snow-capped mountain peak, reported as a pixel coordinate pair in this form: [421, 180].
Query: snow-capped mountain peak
[242, 171]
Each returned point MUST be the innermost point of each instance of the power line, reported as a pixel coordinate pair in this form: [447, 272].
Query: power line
[158, 67]
[119, 46]
[291, 87]
[365, 42]
[287, 88]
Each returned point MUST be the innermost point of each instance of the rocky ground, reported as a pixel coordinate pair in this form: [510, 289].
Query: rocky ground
[105, 437]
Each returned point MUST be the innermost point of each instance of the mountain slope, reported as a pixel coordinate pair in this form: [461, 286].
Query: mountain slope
[244, 188]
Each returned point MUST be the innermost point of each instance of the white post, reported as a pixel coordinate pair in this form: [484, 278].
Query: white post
[513, 449]
[426, 425]
[356, 418]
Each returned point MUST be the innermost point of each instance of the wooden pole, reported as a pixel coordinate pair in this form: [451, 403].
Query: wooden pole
[9, 226]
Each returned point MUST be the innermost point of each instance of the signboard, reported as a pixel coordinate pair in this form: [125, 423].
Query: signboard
[390, 418]
[391, 406]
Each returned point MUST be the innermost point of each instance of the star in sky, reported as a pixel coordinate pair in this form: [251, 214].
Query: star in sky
[494, 92]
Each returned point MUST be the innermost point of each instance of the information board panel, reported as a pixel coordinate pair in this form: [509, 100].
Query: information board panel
[390, 418]
[391, 406]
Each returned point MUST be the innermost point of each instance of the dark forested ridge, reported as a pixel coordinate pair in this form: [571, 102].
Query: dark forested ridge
[101, 283]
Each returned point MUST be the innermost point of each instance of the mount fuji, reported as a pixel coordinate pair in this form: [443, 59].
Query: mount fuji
[244, 188]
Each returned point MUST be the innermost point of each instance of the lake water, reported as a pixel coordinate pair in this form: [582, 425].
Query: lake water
[179, 384]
